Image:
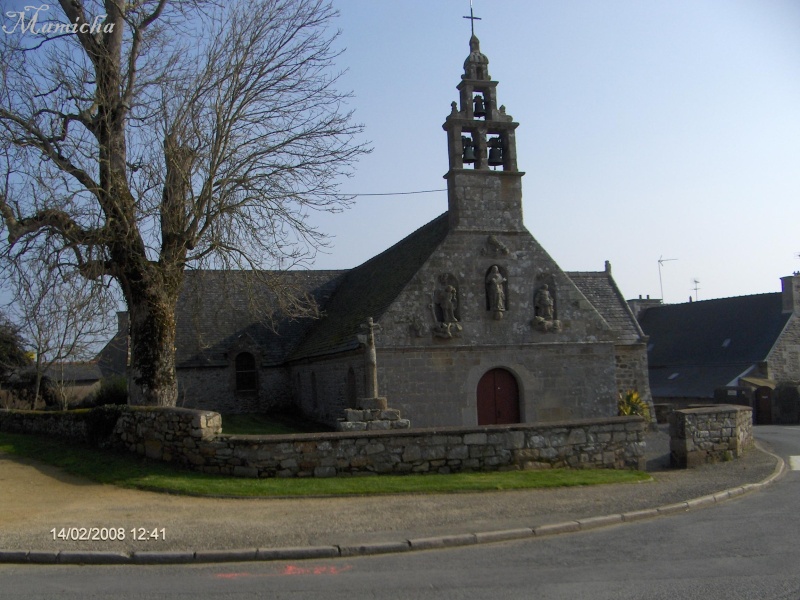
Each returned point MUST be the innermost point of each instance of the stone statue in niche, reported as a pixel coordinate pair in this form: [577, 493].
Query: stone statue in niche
[445, 308]
[543, 302]
[496, 292]
[544, 311]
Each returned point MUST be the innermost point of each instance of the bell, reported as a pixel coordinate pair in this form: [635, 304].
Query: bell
[495, 153]
[469, 153]
[480, 108]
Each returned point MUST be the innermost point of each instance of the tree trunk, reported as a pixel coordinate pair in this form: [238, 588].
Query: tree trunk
[151, 378]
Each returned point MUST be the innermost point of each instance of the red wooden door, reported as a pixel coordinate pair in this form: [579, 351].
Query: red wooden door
[498, 398]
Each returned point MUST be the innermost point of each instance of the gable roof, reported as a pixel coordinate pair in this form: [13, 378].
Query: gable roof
[601, 290]
[220, 310]
[368, 290]
[696, 347]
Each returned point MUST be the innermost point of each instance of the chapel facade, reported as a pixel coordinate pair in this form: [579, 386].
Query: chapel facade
[475, 324]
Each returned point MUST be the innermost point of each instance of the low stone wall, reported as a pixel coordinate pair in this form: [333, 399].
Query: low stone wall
[709, 434]
[192, 437]
[70, 425]
[169, 434]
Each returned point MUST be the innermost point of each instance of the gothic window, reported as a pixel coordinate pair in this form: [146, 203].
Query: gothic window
[246, 374]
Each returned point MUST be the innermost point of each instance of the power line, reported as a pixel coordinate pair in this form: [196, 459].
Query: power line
[398, 193]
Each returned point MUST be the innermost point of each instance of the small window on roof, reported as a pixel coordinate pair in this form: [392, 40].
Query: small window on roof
[726, 343]
[673, 376]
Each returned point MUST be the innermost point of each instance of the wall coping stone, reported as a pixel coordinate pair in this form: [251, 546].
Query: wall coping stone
[417, 432]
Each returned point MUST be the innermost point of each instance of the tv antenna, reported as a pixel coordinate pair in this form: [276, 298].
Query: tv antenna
[696, 283]
[661, 261]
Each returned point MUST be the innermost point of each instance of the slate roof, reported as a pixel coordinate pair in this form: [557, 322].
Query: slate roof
[709, 343]
[601, 290]
[70, 372]
[219, 309]
[368, 290]
[215, 312]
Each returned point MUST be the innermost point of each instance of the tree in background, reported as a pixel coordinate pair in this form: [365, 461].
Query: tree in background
[12, 349]
[142, 138]
[62, 319]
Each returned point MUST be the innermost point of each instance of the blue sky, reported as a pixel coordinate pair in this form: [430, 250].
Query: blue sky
[648, 129]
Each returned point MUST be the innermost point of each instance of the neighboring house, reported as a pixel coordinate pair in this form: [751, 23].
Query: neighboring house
[730, 349]
[62, 382]
[478, 324]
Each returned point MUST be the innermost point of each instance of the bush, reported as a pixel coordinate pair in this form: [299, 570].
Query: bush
[113, 390]
[631, 404]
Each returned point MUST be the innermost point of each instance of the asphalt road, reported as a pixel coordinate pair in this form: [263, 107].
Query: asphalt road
[742, 548]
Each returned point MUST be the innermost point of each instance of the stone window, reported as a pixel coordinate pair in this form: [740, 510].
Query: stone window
[246, 374]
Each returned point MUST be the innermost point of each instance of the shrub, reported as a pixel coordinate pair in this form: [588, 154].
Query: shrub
[113, 390]
[631, 404]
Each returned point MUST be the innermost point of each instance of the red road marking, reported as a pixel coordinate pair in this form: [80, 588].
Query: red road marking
[290, 570]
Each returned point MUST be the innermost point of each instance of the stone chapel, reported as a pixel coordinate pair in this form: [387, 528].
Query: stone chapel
[475, 323]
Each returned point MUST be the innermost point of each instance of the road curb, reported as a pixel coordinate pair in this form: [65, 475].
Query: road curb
[417, 544]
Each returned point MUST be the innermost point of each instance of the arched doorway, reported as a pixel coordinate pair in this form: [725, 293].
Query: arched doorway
[498, 398]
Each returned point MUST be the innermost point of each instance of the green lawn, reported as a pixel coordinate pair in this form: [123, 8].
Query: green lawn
[127, 470]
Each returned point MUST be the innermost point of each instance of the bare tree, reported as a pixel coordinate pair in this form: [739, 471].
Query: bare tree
[61, 318]
[144, 137]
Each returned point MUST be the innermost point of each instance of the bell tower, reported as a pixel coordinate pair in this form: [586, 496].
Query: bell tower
[483, 183]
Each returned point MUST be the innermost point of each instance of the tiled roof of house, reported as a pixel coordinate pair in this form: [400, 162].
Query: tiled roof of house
[600, 289]
[698, 346]
[368, 290]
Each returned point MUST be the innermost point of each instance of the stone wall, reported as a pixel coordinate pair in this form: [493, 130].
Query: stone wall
[709, 434]
[192, 438]
[325, 388]
[70, 425]
[590, 443]
[556, 381]
[632, 373]
[216, 386]
[784, 358]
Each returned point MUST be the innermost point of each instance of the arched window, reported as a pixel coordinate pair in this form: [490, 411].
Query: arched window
[246, 374]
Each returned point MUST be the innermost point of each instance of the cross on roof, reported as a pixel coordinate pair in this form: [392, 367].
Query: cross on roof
[472, 18]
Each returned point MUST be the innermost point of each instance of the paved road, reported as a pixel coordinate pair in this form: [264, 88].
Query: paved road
[744, 548]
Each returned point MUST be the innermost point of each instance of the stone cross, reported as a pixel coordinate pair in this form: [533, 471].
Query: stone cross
[371, 358]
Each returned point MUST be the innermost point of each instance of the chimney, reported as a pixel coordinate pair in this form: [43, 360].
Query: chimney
[123, 322]
[790, 289]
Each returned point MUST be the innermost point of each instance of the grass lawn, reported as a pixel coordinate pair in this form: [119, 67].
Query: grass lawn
[128, 470]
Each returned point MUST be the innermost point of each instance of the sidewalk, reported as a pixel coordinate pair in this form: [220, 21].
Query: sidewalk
[37, 498]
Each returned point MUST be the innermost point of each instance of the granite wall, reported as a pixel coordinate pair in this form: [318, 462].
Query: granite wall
[194, 438]
[709, 434]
